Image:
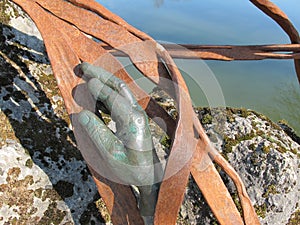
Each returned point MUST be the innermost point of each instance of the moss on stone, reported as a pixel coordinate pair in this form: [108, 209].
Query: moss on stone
[252, 146]
[106, 118]
[266, 149]
[50, 194]
[29, 163]
[4, 16]
[52, 215]
[237, 202]
[38, 192]
[271, 189]
[281, 149]
[243, 112]
[255, 158]
[212, 137]
[295, 218]
[182, 221]
[7, 131]
[16, 193]
[206, 119]
[261, 210]
[166, 141]
[228, 144]
[231, 142]
[100, 204]
[294, 151]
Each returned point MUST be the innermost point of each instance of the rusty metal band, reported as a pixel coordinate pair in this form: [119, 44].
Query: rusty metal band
[72, 46]
[119, 199]
[283, 21]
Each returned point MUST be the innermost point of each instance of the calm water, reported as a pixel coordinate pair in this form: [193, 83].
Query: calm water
[268, 86]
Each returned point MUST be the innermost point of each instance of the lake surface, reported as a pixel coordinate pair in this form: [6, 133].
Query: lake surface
[267, 86]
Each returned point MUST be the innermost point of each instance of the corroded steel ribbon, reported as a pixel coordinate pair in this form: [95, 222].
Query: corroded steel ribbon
[283, 21]
[181, 154]
[121, 205]
[67, 56]
[226, 52]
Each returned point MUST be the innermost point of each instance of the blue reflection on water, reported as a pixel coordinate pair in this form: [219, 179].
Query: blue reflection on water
[268, 86]
[211, 22]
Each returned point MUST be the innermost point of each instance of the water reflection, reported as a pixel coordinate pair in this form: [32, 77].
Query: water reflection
[288, 97]
[159, 3]
[249, 84]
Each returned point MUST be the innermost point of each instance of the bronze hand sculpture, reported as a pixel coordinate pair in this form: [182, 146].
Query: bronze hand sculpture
[129, 152]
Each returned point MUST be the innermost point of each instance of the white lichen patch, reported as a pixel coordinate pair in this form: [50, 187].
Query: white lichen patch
[268, 162]
[22, 186]
[29, 193]
[265, 157]
[43, 177]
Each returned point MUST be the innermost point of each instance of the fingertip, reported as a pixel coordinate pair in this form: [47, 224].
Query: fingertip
[84, 67]
[84, 117]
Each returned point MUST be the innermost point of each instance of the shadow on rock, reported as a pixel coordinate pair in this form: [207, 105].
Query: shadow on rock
[30, 101]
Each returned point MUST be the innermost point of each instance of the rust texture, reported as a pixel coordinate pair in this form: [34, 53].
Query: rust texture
[283, 21]
[64, 25]
[227, 52]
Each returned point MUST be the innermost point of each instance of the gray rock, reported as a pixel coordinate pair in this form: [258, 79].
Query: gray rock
[43, 177]
[265, 157]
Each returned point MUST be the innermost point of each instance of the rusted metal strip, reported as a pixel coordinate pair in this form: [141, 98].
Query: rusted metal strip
[92, 52]
[235, 53]
[183, 148]
[249, 215]
[212, 186]
[283, 21]
[184, 133]
[279, 17]
[226, 52]
[107, 31]
[161, 200]
[215, 192]
[184, 103]
[106, 14]
[120, 200]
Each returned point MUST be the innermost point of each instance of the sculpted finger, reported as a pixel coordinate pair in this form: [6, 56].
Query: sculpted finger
[117, 105]
[92, 71]
[102, 136]
[108, 79]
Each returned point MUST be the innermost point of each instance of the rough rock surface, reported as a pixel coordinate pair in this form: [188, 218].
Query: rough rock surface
[267, 159]
[44, 180]
[265, 154]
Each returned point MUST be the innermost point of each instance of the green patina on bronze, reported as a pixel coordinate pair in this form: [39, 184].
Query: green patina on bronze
[131, 145]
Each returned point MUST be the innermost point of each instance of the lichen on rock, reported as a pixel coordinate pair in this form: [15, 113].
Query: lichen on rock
[23, 190]
[263, 154]
[266, 158]
[44, 179]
